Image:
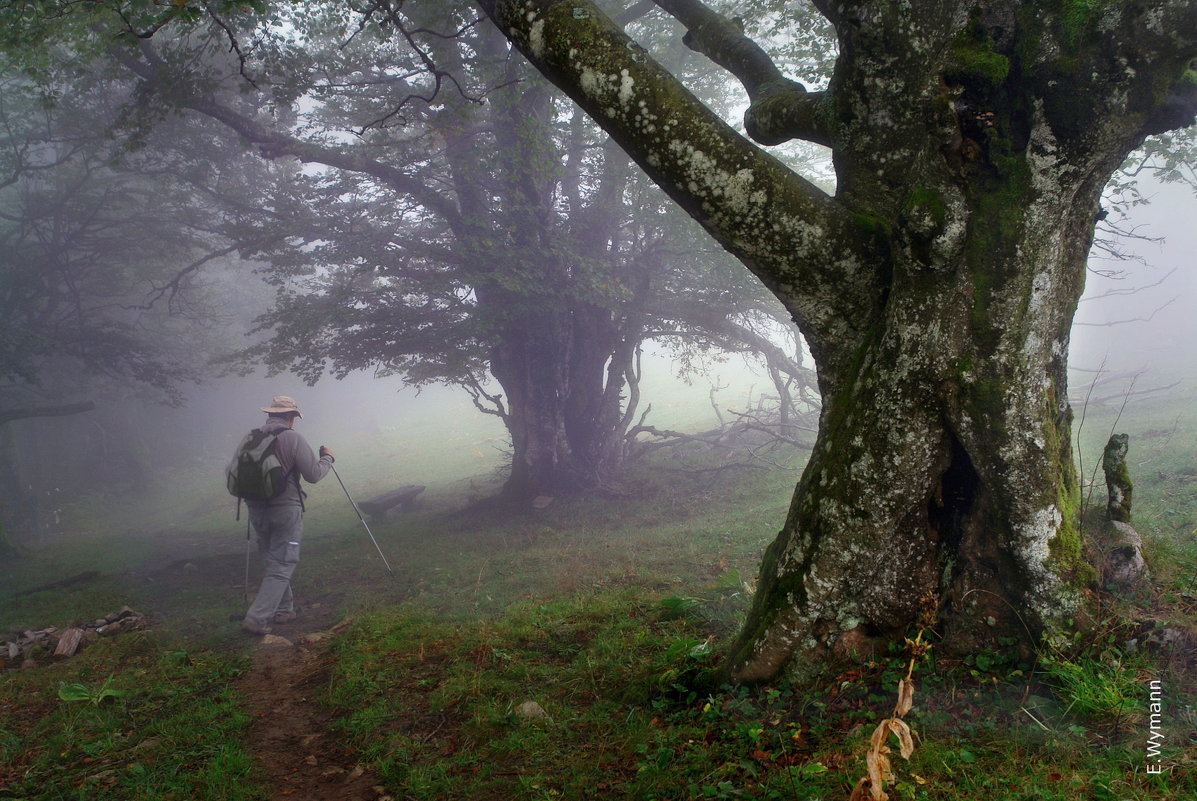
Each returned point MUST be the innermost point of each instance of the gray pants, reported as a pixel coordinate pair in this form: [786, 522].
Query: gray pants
[279, 530]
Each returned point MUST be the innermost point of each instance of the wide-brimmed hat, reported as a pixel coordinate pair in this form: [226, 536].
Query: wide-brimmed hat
[281, 404]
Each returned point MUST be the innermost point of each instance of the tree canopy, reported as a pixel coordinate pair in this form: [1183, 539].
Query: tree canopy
[98, 250]
[438, 213]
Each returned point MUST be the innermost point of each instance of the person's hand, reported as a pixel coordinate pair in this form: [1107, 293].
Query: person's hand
[326, 452]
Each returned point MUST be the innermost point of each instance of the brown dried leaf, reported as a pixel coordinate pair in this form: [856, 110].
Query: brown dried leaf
[879, 774]
[861, 791]
[877, 741]
[905, 739]
[905, 697]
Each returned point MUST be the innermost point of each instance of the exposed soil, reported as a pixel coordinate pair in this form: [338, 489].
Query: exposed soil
[291, 736]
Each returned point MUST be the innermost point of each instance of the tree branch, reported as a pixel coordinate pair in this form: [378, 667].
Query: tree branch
[275, 144]
[780, 108]
[722, 180]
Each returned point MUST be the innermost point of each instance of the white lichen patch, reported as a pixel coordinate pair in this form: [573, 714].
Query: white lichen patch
[536, 38]
[1032, 547]
[626, 83]
[590, 82]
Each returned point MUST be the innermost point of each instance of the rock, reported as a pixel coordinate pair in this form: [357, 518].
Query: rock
[107, 776]
[68, 643]
[530, 710]
[310, 759]
[1169, 638]
[1123, 566]
[148, 744]
[315, 636]
[274, 641]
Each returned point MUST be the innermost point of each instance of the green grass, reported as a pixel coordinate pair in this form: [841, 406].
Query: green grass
[161, 723]
[626, 682]
[609, 613]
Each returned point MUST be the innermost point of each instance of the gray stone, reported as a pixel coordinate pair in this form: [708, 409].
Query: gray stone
[1123, 566]
[274, 641]
[530, 710]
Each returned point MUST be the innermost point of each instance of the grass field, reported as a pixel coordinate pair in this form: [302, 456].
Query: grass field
[608, 614]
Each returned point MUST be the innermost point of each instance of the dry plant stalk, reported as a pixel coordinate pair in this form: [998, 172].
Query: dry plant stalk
[872, 786]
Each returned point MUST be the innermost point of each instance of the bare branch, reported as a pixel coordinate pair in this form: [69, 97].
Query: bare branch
[171, 288]
[234, 45]
[1146, 319]
[1129, 290]
[477, 394]
[273, 144]
[392, 18]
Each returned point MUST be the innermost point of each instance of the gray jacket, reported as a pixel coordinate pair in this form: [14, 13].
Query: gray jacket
[298, 461]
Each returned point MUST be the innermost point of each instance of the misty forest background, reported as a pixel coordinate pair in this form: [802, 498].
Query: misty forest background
[172, 262]
[438, 283]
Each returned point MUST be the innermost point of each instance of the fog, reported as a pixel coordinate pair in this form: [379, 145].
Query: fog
[1138, 326]
[1157, 294]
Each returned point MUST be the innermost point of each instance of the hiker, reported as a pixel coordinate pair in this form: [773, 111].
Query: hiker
[278, 522]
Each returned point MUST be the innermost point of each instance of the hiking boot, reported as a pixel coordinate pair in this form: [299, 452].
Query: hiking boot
[284, 617]
[250, 627]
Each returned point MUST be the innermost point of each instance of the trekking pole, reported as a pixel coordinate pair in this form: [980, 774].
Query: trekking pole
[247, 549]
[359, 517]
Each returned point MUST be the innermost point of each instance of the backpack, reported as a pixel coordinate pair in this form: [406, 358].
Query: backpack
[255, 473]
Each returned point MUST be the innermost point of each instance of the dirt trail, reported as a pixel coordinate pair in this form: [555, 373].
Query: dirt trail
[290, 736]
[301, 757]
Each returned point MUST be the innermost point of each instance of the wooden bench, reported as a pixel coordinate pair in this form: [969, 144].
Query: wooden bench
[378, 506]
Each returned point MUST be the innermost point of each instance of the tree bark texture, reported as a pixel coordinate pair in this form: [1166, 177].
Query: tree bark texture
[936, 289]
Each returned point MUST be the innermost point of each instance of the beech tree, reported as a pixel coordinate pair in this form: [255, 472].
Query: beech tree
[936, 287]
[94, 285]
[470, 224]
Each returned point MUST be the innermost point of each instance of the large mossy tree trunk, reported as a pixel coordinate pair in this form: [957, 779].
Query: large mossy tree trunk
[561, 350]
[563, 373]
[971, 141]
[943, 472]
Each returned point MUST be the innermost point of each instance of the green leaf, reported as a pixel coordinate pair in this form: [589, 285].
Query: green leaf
[74, 692]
